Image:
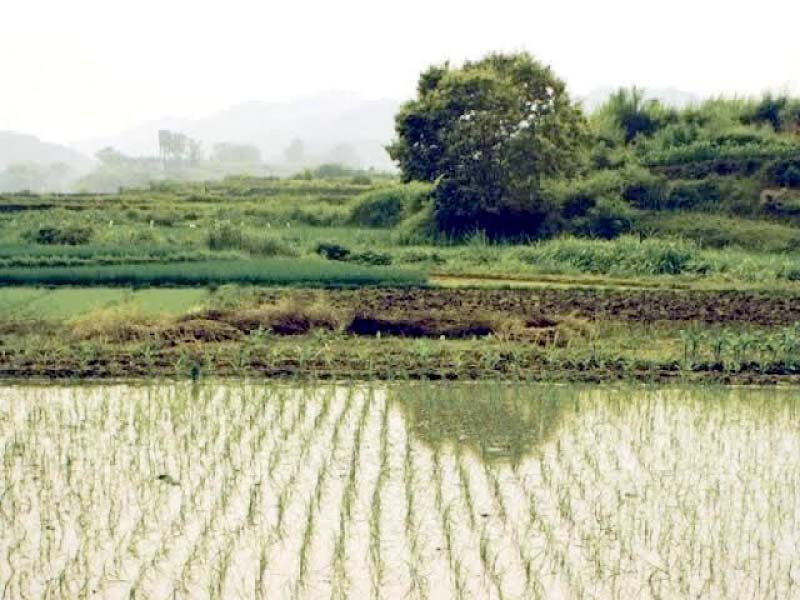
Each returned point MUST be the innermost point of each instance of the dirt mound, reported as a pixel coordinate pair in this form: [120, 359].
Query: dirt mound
[286, 317]
[420, 325]
[540, 330]
[283, 320]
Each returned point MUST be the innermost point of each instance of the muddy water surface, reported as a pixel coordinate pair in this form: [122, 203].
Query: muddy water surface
[233, 490]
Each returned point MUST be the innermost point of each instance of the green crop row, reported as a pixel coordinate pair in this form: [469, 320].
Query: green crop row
[272, 271]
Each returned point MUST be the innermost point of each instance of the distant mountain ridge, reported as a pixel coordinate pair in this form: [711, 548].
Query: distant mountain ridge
[322, 122]
[24, 148]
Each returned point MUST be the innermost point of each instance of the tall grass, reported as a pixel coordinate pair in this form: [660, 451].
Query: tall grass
[630, 256]
[229, 237]
[624, 255]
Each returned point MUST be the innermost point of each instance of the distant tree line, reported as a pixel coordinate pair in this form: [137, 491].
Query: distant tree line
[175, 147]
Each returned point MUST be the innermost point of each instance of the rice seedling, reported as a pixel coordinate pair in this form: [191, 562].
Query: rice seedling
[228, 490]
[265, 271]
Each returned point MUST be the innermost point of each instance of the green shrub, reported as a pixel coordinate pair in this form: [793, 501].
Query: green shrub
[332, 170]
[792, 274]
[575, 197]
[607, 219]
[387, 207]
[419, 229]
[265, 245]
[71, 235]
[340, 253]
[643, 189]
[318, 216]
[685, 195]
[592, 206]
[332, 251]
[230, 237]
[784, 173]
[361, 179]
[164, 219]
[416, 256]
[225, 237]
[370, 258]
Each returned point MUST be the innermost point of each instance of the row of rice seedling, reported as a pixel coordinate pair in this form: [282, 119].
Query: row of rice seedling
[28, 255]
[274, 271]
[238, 490]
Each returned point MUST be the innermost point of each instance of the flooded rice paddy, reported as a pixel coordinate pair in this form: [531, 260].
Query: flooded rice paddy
[420, 491]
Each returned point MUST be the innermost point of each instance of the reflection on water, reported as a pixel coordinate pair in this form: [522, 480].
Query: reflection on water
[235, 490]
[494, 420]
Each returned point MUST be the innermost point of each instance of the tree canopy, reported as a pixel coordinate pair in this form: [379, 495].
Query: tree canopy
[489, 132]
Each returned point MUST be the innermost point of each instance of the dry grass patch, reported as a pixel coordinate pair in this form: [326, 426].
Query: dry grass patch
[114, 325]
[287, 317]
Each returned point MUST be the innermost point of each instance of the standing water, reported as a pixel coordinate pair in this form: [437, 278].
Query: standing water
[233, 490]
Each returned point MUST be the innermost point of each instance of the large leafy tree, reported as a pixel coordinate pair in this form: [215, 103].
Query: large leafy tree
[488, 132]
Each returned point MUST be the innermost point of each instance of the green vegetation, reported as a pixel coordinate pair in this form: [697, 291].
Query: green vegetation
[26, 255]
[215, 272]
[487, 133]
[504, 181]
[389, 206]
[245, 220]
[512, 156]
[26, 303]
[503, 176]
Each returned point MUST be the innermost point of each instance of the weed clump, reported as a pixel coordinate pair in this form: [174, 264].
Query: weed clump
[229, 237]
[341, 253]
[71, 235]
[332, 251]
[113, 325]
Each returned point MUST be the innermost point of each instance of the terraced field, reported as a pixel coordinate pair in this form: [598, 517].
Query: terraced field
[462, 491]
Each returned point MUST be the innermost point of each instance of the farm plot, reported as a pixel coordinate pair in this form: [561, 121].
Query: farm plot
[21, 303]
[244, 491]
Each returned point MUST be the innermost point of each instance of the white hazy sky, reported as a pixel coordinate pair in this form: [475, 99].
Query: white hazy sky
[72, 69]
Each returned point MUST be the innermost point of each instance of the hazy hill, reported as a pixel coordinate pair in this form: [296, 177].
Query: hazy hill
[322, 122]
[22, 148]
